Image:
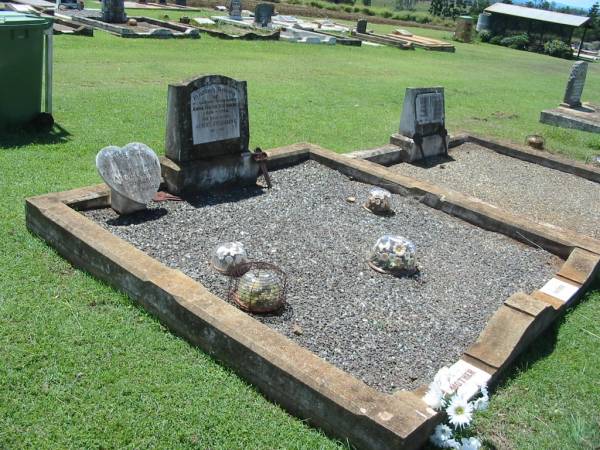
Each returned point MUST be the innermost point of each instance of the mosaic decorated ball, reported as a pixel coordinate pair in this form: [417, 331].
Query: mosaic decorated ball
[379, 201]
[228, 256]
[260, 291]
[393, 254]
[596, 160]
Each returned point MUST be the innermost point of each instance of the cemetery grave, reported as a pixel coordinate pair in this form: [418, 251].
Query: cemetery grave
[113, 19]
[533, 184]
[229, 31]
[572, 113]
[451, 309]
[401, 38]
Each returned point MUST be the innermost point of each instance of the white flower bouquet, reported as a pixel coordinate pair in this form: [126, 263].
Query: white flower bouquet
[459, 409]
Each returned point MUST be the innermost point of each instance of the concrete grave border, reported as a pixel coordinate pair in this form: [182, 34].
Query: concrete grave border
[164, 30]
[297, 379]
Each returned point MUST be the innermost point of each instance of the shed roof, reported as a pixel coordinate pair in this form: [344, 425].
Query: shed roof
[537, 14]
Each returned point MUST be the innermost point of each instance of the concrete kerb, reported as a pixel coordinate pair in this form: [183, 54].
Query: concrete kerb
[286, 373]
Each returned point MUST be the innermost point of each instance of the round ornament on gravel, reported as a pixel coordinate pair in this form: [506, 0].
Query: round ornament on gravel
[393, 254]
[228, 256]
[260, 288]
[379, 201]
[596, 161]
[536, 141]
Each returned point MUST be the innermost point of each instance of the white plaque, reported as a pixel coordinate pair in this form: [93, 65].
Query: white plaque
[430, 108]
[559, 289]
[215, 114]
[468, 378]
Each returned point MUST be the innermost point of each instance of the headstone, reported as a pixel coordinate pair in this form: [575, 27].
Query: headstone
[575, 84]
[423, 111]
[207, 135]
[162, 2]
[206, 117]
[132, 173]
[181, 2]
[235, 9]
[113, 11]
[361, 26]
[422, 124]
[263, 13]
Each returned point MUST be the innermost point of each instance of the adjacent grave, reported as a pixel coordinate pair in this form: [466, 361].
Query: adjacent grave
[112, 18]
[363, 34]
[207, 136]
[572, 113]
[422, 125]
[224, 29]
[527, 189]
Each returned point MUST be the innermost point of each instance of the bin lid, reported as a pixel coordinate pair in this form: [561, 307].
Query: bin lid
[12, 19]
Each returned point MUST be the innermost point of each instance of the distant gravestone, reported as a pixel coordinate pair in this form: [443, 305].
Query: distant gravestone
[423, 112]
[235, 9]
[206, 117]
[132, 173]
[575, 84]
[422, 124]
[113, 11]
[361, 26]
[263, 13]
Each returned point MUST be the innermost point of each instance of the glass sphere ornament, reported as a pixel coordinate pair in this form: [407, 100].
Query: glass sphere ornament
[393, 254]
[379, 201]
[258, 287]
[595, 160]
[228, 256]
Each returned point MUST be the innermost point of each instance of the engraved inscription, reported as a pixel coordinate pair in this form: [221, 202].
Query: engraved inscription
[430, 108]
[215, 114]
[466, 376]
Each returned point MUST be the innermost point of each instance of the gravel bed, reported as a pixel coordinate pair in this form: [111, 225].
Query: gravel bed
[389, 332]
[530, 190]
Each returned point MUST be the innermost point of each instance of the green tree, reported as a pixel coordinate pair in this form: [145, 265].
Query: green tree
[436, 7]
[593, 13]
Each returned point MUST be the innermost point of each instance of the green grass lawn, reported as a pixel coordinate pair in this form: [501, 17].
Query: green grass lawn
[82, 367]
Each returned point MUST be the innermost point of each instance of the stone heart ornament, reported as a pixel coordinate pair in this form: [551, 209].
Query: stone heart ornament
[132, 173]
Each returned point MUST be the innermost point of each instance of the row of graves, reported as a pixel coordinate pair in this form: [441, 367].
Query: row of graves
[354, 290]
[113, 19]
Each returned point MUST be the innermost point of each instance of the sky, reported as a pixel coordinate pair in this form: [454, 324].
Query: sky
[585, 4]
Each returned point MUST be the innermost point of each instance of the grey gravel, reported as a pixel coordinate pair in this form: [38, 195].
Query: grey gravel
[530, 190]
[390, 332]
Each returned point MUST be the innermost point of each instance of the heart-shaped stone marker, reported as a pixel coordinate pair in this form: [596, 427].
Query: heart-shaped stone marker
[132, 173]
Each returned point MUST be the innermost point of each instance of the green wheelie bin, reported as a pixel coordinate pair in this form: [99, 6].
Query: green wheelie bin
[21, 67]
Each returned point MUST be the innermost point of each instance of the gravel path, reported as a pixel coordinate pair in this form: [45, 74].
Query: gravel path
[530, 190]
[390, 332]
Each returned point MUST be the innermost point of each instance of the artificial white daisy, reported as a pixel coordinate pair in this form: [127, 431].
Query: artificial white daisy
[470, 444]
[434, 397]
[481, 404]
[442, 380]
[460, 412]
[441, 435]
